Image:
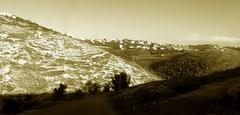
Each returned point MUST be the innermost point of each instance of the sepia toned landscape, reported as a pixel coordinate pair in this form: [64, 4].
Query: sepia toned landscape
[82, 57]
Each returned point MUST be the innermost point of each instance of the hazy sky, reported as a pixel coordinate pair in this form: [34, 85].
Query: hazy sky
[168, 21]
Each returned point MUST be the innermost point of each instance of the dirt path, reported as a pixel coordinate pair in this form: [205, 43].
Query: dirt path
[93, 105]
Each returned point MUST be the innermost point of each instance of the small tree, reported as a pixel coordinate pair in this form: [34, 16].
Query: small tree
[59, 92]
[106, 87]
[120, 81]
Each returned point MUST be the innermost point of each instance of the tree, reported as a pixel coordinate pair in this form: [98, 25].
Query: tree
[59, 92]
[120, 81]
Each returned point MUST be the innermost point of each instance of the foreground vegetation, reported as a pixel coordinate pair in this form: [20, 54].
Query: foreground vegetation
[21, 102]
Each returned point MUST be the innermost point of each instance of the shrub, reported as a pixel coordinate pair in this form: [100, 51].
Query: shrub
[95, 88]
[59, 92]
[92, 87]
[120, 81]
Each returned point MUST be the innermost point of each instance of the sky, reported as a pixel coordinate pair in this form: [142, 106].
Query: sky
[164, 21]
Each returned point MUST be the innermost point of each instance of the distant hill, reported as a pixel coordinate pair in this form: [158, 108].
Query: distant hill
[198, 63]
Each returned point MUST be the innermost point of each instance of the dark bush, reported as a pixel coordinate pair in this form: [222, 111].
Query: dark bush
[15, 104]
[120, 81]
[11, 105]
[59, 92]
[92, 87]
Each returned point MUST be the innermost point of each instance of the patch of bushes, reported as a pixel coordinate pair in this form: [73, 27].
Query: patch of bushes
[92, 87]
[184, 65]
[120, 81]
[17, 103]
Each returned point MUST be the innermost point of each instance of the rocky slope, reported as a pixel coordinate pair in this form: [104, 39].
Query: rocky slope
[35, 59]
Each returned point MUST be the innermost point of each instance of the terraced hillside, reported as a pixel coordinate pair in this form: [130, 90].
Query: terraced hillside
[34, 59]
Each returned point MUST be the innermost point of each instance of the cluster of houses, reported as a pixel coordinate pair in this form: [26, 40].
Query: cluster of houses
[124, 44]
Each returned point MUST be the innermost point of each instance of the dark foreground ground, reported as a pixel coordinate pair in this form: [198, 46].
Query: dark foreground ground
[91, 105]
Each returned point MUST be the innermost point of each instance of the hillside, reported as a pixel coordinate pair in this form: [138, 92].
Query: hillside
[198, 64]
[217, 93]
[171, 61]
[35, 59]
